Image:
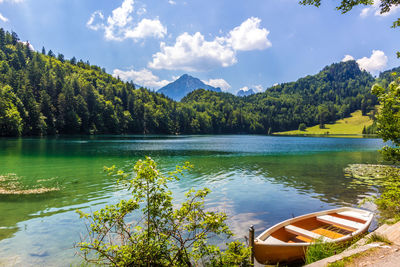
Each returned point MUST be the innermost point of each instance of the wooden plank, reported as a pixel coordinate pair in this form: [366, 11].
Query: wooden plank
[357, 215]
[327, 233]
[302, 232]
[339, 221]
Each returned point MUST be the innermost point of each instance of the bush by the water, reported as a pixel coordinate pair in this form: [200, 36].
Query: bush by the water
[165, 234]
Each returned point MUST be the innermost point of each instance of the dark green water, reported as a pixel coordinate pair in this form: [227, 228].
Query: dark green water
[257, 180]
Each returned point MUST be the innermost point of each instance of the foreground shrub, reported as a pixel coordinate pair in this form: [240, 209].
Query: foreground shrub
[165, 234]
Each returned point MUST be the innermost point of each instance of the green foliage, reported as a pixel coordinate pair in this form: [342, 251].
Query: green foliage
[10, 118]
[302, 127]
[166, 234]
[388, 118]
[388, 203]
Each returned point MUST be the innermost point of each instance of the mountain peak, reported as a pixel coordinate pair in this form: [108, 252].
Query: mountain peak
[184, 85]
[185, 76]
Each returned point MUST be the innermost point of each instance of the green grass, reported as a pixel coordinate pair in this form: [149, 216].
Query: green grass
[347, 126]
[377, 238]
[319, 249]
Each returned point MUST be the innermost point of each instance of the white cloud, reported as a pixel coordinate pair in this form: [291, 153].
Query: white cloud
[194, 53]
[171, 2]
[143, 77]
[147, 28]
[249, 36]
[376, 62]
[347, 58]
[95, 21]
[120, 24]
[376, 10]
[221, 83]
[2, 18]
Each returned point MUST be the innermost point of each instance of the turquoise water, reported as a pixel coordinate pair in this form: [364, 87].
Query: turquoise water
[258, 180]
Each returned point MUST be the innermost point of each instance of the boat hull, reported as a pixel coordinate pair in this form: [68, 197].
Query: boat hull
[267, 254]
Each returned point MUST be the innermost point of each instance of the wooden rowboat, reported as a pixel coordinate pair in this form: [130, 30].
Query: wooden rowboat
[287, 241]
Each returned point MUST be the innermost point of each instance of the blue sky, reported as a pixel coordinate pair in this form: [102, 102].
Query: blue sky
[228, 43]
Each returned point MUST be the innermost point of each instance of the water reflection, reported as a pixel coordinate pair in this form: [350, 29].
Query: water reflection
[255, 179]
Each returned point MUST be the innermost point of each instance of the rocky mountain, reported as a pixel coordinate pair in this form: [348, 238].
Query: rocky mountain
[183, 86]
[245, 93]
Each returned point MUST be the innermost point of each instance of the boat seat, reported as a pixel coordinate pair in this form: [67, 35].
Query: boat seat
[302, 232]
[273, 241]
[357, 215]
[339, 221]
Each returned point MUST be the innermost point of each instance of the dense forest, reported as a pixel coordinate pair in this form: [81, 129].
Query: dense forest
[45, 94]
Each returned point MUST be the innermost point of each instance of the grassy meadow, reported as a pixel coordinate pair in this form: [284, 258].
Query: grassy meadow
[348, 126]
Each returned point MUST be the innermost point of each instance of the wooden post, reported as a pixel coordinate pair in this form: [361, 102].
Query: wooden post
[251, 244]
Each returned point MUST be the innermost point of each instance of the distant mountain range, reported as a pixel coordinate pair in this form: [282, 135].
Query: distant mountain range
[245, 93]
[183, 86]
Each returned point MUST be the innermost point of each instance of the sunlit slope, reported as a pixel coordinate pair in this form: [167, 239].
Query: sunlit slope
[351, 125]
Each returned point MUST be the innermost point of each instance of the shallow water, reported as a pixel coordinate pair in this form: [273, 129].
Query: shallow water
[258, 180]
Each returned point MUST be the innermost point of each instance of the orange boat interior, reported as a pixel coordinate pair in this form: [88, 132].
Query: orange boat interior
[331, 231]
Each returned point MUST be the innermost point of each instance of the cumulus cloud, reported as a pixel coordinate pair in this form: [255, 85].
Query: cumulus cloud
[195, 53]
[143, 77]
[147, 28]
[375, 9]
[171, 2]
[347, 58]
[249, 36]
[120, 25]
[221, 83]
[2, 18]
[376, 62]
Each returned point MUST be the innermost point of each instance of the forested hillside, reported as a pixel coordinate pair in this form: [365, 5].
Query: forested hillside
[46, 94]
[334, 93]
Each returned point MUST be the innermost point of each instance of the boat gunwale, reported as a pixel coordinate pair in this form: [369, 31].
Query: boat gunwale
[260, 240]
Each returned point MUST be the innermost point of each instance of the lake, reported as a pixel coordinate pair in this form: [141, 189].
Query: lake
[258, 180]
